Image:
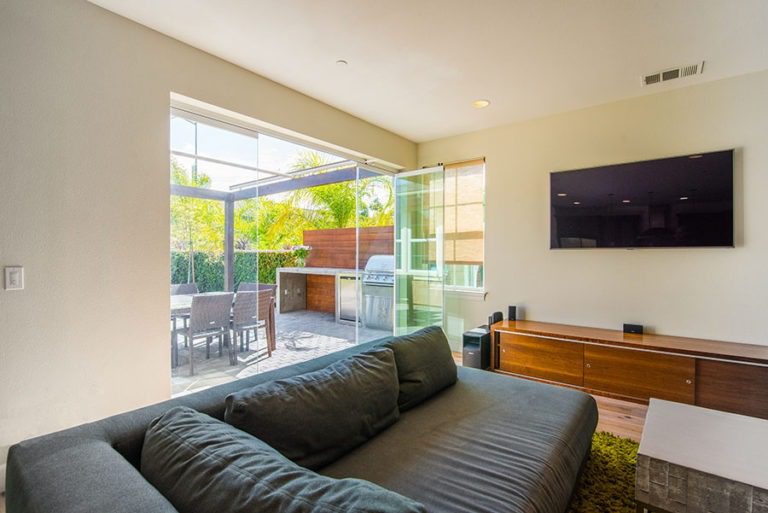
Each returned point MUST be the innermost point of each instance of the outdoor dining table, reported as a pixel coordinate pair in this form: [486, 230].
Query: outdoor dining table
[181, 304]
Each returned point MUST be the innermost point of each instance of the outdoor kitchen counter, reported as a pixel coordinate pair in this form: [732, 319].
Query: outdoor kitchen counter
[333, 271]
[309, 288]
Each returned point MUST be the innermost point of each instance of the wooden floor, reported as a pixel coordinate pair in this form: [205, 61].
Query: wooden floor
[621, 418]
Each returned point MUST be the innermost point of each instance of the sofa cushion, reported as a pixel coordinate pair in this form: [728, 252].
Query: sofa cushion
[489, 444]
[203, 465]
[315, 418]
[425, 365]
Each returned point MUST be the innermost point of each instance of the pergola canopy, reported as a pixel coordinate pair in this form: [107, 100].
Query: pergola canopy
[346, 174]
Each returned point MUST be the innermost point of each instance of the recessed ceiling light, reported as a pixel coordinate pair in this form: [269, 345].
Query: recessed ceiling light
[683, 198]
[695, 156]
[341, 62]
[562, 194]
[577, 202]
[480, 104]
[626, 201]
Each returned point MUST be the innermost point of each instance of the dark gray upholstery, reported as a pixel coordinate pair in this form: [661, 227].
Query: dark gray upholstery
[424, 364]
[489, 443]
[203, 465]
[316, 418]
[56, 472]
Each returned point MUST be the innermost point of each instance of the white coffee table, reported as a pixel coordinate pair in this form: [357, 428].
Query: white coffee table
[695, 460]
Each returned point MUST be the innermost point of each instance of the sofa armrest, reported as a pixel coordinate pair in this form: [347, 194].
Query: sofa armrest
[74, 474]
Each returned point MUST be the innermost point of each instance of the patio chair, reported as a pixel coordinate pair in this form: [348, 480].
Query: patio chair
[184, 288]
[269, 316]
[247, 286]
[245, 317]
[266, 315]
[209, 317]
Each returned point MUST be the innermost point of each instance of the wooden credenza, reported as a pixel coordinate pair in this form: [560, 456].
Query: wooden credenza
[719, 375]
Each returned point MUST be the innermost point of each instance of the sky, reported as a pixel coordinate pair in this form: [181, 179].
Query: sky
[264, 152]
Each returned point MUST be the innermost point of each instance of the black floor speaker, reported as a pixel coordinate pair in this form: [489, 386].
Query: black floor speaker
[477, 348]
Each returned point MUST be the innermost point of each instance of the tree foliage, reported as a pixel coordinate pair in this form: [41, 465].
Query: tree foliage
[276, 222]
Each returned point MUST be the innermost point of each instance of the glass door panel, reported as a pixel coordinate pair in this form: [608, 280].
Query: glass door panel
[419, 261]
[375, 253]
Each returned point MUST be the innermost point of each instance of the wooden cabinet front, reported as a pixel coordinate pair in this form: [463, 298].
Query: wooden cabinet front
[321, 293]
[639, 374]
[542, 358]
[732, 387]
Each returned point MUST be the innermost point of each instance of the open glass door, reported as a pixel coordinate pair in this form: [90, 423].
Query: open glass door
[419, 262]
[375, 253]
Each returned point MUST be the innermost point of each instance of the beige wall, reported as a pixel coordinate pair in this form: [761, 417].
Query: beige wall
[715, 293]
[84, 99]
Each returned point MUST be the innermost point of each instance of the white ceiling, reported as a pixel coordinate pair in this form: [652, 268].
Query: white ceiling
[415, 66]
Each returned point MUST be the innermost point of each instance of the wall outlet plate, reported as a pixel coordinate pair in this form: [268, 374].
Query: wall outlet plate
[14, 278]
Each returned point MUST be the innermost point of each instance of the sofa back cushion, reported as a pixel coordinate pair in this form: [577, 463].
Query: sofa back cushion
[315, 418]
[425, 365]
[203, 465]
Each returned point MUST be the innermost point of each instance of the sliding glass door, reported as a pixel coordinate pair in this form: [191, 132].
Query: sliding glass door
[375, 253]
[419, 260]
[334, 251]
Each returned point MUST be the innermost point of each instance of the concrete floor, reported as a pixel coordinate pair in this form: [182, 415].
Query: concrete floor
[301, 336]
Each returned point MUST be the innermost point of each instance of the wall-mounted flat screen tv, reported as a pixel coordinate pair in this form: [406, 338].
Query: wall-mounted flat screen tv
[673, 202]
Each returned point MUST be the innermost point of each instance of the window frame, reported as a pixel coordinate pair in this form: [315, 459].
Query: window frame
[459, 289]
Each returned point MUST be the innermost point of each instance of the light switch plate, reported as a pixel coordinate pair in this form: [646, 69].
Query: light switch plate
[14, 278]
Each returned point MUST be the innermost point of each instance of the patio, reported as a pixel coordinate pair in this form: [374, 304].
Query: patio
[300, 336]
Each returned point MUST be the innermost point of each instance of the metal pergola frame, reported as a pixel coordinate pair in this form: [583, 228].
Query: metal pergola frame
[299, 180]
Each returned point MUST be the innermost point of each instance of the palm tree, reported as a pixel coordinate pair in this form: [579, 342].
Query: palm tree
[281, 223]
[334, 205]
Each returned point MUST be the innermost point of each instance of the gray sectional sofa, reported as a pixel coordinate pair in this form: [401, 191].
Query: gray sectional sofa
[488, 443]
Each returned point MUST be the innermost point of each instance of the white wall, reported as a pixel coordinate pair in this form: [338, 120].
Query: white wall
[84, 202]
[713, 293]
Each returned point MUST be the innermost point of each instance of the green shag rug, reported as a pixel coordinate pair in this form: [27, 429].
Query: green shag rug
[607, 484]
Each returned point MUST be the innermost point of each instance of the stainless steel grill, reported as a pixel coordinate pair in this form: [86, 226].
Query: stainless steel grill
[378, 292]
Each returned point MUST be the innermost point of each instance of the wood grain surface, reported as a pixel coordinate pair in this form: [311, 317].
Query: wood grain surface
[639, 374]
[321, 293]
[337, 247]
[541, 358]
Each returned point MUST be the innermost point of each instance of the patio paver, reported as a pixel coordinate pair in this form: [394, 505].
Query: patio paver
[301, 336]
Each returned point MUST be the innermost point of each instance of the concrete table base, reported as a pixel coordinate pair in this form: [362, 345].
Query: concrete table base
[663, 486]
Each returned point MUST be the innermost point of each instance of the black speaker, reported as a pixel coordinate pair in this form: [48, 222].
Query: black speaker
[512, 313]
[494, 318]
[636, 329]
[477, 348]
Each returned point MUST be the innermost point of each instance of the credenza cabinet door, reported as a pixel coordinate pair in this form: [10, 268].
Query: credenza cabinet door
[542, 358]
[639, 374]
[732, 387]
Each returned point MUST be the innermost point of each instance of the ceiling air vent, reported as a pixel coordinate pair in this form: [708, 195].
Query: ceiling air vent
[674, 73]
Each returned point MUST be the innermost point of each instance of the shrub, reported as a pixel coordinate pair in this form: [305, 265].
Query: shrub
[209, 268]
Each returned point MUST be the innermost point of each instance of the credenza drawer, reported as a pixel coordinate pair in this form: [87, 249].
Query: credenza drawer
[542, 358]
[639, 374]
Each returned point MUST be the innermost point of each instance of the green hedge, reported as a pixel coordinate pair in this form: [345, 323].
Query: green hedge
[209, 269]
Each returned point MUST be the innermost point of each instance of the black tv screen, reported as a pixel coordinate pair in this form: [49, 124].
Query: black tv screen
[673, 202]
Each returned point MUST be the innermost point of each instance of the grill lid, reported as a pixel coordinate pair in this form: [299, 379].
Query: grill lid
[380, 264]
